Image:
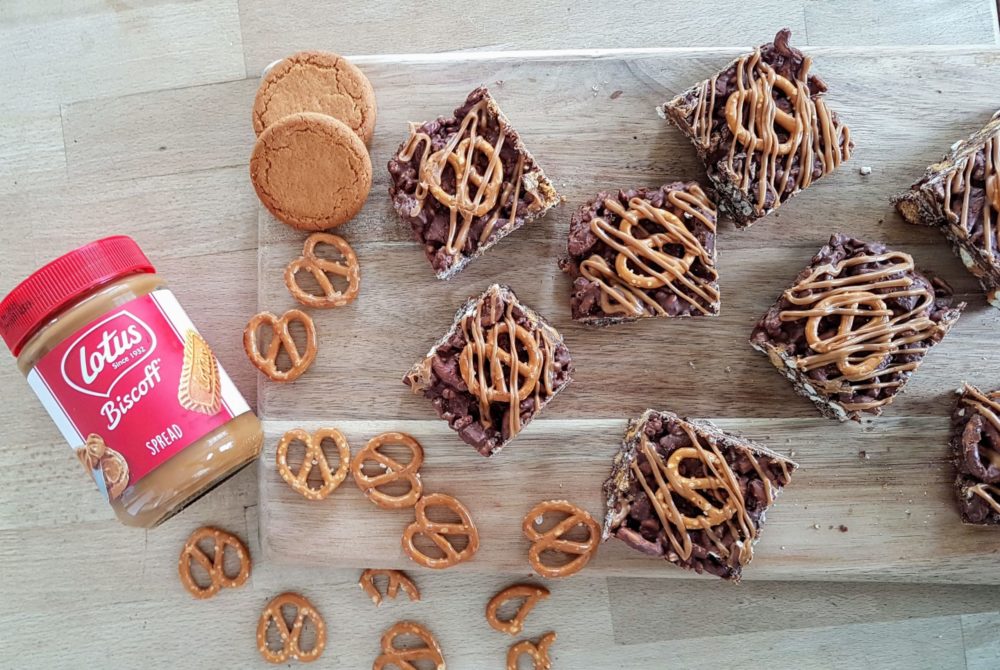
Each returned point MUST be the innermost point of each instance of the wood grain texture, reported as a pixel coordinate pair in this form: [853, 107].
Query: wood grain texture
[981, 639]
[80, 590]
[622, 142]
[690, 607]
[59, 53]
[185, 215]
[897, 503]
[273, 28]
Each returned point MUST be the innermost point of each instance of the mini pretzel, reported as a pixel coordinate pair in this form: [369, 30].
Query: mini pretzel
[281, 337]
[688, 488]
[314, 457]
[394, 471]
[492, 356]
[539, 652]
[213, 564]
[463, 163]
[530, 592]
[321, 268]
[397, 579]
[405, 659]
[290, 636]
[551, 540]
[762, 89]
[845, 306]
[438, 533]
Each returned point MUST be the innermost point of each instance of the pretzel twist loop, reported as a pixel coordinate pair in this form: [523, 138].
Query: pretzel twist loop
[322, 269]
[214, 564]
[552, 539]
[314, 457]
[281, 338]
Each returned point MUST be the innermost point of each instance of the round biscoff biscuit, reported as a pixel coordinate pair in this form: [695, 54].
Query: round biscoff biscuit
[316, 81]
[311, 171]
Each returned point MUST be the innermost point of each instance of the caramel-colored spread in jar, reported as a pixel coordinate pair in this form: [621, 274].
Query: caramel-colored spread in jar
[132, 386]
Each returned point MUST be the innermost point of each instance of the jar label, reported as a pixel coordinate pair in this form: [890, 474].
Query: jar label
[133, 388]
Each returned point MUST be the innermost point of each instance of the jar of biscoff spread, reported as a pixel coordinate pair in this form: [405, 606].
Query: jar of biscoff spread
[132, 386]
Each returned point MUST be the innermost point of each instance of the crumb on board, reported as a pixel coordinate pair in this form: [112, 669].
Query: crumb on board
[617, 94]
[863, 455]
[815, 526]
[729, 369]
[865, 169]
[842, 528]
[691, 363]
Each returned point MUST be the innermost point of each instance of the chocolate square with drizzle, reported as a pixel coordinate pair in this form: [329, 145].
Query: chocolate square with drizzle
[960, 195]
[465, 182]
[494, 371]
[643, 253]
[762, 129]
[854, 326]
[975, 446]
[684, 490]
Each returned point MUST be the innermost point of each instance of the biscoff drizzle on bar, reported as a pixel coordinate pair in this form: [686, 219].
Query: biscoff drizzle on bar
[959, 184]
[623, 289]
[727, 510]
[989, 493]
[476, 194]
[495, 372]
[987, 405]
[862, 350]
[754, 117]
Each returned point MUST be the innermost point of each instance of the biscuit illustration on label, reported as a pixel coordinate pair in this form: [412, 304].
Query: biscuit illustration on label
[91, 452]
[200, 388]
[114, 469]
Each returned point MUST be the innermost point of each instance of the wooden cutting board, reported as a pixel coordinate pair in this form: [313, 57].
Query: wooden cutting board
[872, 501]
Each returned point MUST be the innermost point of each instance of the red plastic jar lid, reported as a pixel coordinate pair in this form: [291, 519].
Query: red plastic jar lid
[55, 286]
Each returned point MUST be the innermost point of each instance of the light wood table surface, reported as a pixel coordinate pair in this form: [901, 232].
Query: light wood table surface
[110, 122]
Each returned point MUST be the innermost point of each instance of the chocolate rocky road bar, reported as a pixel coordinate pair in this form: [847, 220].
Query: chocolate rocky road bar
[762, 129]
[975, 446]
[960, 196]
[854, 326]
[643, 253]
[465, 182]
[685, 491]
[494, 371]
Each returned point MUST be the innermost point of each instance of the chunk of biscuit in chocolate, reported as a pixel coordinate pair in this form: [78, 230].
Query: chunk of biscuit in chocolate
[685, 491]
[762, 128]
[643, 253]
[960, 196]
[494, 371]
[465, 182]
